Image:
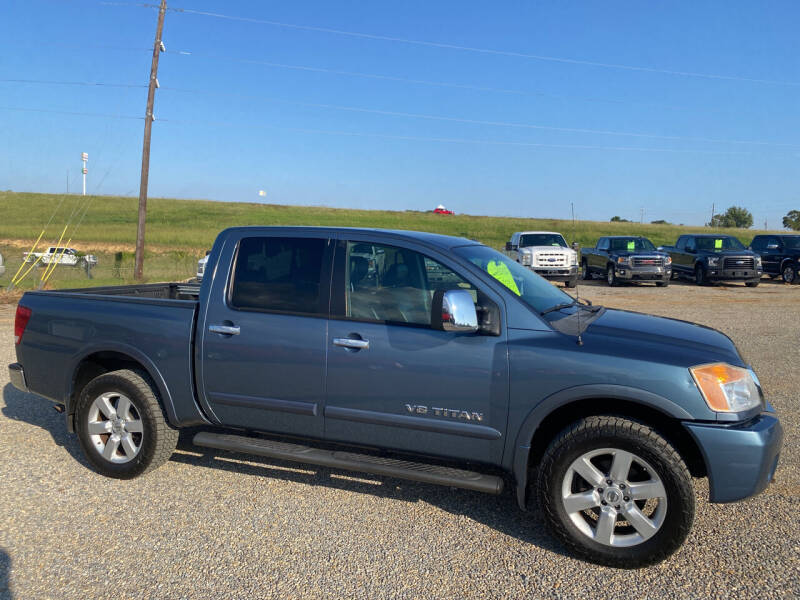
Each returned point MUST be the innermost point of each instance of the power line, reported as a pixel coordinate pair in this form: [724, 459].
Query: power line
[427, 82]
[459, 140]
[67, 112]
[448, 46]
[507, 124]
[402, 114]
[77, 83]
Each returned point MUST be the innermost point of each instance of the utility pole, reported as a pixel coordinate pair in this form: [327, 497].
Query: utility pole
[158, 46]
[641, 217]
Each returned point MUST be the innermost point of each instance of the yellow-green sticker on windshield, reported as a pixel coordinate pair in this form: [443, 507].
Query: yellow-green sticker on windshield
[500, 272]
[717, 244]
[631, 245]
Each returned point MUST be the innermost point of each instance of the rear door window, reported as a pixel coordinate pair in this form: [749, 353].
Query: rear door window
[281, 274]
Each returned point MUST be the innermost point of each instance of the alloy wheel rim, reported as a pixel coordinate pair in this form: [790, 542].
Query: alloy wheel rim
[788, 274]
[610, 275]
[115, 427]
[614, 497]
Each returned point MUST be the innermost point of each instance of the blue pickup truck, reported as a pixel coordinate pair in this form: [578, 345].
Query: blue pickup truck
[417, 356]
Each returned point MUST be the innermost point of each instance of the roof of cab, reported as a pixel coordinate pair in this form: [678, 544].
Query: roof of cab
[432, 239]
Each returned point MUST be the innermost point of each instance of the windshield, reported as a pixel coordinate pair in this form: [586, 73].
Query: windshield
[632, 244]
[716, 244]
[535, 291]
[542, 239]
[792, 241]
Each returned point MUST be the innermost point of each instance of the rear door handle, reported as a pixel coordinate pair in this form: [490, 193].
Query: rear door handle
[351, 343]
[224, 329]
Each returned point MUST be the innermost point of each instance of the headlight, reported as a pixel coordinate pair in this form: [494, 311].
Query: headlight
[525, 258]
[758, 261]
[726, 388]
[624, 260]
[574, 259]
[713, 261]
[668, 260]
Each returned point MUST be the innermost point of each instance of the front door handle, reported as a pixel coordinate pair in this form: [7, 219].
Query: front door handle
[224, 329]
[351, 343]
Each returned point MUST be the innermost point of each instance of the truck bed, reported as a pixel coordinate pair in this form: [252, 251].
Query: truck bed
[162, 291]
[67, 328]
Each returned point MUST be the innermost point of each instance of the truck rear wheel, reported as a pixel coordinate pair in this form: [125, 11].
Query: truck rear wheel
[121, 425]
[615, 492]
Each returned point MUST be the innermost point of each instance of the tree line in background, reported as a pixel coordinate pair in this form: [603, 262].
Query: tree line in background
[735, 216]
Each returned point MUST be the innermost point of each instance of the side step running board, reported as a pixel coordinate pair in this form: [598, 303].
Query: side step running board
[350, 461]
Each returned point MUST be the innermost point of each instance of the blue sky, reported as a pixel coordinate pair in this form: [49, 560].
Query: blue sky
[496, 138]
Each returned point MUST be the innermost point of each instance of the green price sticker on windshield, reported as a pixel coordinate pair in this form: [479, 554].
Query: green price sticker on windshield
[631, 245]
[718, 244]
[502, 273]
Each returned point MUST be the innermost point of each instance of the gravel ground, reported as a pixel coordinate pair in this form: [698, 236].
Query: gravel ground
[217, 525]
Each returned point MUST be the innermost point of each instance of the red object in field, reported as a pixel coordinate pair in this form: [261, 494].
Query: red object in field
[21, 322]
[441, 210]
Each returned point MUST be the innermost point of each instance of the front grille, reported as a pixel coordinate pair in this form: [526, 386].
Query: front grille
[550, 259]
[738, 262]
[647, 261]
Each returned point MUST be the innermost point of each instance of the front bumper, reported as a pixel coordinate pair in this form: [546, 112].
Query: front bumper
[733, 274]
[644, 274]
[16, 375]
[740, 459]
[556, 274]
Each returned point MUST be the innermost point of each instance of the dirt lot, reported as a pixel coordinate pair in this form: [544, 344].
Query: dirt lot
[216, 525]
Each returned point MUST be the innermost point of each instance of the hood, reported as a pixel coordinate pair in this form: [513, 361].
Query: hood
[633, 334]
[639, 253]
[546, 248]
[744, 252]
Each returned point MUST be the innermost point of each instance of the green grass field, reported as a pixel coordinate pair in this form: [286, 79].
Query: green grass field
[179, 231]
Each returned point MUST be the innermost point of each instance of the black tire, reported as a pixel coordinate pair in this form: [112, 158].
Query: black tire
[609, 432]
[663, 283]
[571, 282]
[157, 439]
[752, 283]
[789, 273]
[611, 276]
[700, 275]
[585, 273]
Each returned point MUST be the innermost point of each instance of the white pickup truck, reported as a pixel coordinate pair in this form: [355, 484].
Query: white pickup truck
[63, 256]
[546, 253]
[2, 266]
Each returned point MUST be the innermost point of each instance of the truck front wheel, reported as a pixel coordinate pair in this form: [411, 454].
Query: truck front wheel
[789, 273]
[700, 275]
[615, 492]
[121, 426]
[611, 276]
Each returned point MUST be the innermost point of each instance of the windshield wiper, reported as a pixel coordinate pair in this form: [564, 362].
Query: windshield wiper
[588, 306]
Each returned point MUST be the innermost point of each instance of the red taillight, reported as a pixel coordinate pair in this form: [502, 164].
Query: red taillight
[21, 322]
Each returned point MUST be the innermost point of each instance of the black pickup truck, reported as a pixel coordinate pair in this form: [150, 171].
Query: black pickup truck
[708, 257]
[780, 255]
[626, 258]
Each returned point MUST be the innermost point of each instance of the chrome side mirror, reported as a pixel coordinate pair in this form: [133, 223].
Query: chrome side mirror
[454, 310]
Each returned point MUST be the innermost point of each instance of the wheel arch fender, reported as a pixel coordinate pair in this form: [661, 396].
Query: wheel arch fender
[108, 353]
[585, 400]
[786, 260]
